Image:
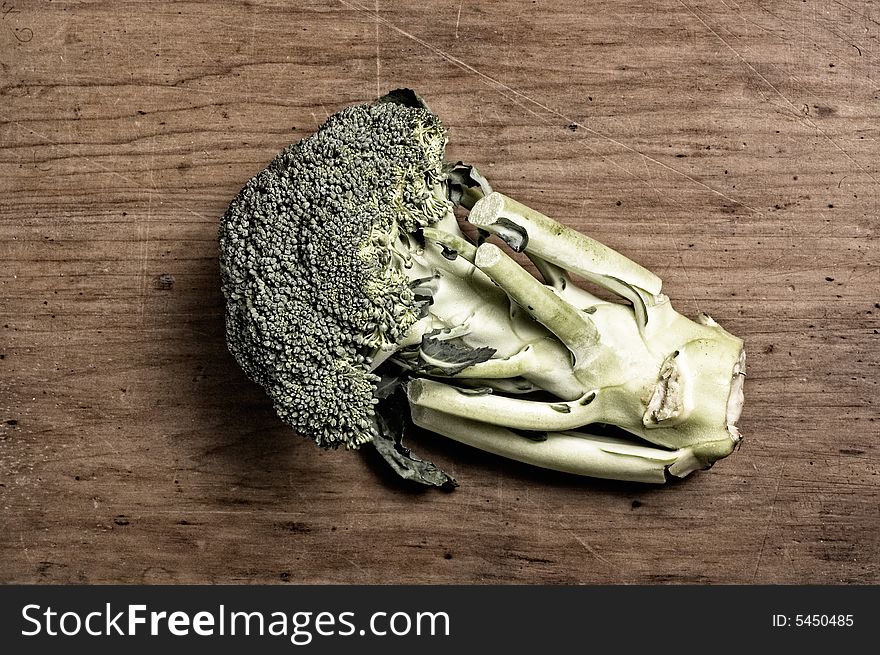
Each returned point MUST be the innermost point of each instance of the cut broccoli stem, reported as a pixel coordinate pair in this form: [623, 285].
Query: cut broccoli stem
[706, 428]
[499, 410]
[553, 275]
[468, 301]
[574, 328]
[559, 244]
[558, 278]
[468, 296]
[569, 452]
[560, 281]
[453, 244]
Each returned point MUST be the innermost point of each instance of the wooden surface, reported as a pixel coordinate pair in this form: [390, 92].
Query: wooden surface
[731, 147]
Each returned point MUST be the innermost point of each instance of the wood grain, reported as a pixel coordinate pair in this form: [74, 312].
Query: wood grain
[730, 147]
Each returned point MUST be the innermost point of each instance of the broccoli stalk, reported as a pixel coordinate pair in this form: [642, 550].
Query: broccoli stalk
[640, 366]
[357, 301]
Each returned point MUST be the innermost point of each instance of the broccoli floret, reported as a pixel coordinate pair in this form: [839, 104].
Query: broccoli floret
[356, 300]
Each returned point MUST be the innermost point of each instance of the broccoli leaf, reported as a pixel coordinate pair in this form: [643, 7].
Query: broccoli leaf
[405, 97]
[451, 356]
[465, 184]
[388, 441]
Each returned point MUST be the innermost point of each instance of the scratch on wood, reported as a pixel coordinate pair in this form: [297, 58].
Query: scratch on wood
[857, 13]
[590, 549]
[505, 90]
[104, 168]
[378, 88]
[27, 554]
[453, 60]
[555, 518]
[143, 254]
[780, 94]
[679, 248]
[769, 522]
[803, 32]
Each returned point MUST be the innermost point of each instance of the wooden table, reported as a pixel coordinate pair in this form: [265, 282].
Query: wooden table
[730, 147]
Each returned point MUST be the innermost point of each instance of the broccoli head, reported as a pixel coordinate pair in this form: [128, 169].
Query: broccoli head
[313, 254]
[356, 300]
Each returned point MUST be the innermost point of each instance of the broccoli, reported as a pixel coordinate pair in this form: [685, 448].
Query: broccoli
[356, 299]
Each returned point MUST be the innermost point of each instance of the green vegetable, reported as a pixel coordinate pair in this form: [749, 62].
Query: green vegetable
[356, 300]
